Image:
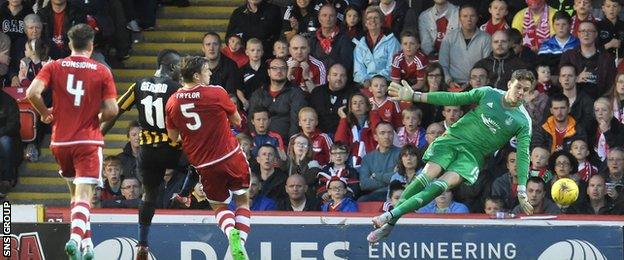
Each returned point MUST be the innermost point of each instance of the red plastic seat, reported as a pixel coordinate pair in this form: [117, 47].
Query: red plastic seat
[370, 206]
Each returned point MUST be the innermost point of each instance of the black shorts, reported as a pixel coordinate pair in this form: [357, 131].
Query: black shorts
[154, 160]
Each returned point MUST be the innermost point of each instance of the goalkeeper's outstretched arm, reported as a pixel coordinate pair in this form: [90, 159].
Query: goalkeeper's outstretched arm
[404, 92]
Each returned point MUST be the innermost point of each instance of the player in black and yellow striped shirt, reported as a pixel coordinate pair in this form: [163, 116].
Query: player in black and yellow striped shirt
[157, 151]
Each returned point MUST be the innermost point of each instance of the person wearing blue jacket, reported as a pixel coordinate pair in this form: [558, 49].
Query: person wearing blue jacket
[444, 204]
[258, 202]
[373, 52]
[337, 188]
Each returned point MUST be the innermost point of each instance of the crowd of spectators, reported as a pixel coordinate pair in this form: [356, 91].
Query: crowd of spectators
[320, 132]
[34, 32]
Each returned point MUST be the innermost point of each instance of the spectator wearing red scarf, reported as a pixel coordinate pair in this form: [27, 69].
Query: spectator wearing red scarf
[330, 45]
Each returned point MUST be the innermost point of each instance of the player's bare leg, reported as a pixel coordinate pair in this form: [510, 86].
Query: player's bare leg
[226, 219]
[80, 227]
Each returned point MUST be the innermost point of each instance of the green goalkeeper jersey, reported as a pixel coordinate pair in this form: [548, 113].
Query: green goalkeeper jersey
[490, 125]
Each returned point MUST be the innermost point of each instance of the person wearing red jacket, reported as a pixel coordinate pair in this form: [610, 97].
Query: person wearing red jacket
[355, 128]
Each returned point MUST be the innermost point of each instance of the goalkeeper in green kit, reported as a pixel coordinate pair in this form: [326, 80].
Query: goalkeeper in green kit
[458, 155]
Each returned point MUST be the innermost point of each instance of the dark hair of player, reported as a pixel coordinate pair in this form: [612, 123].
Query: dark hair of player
[80, 35]
[523, 74]
[191, 65]
[161, 56]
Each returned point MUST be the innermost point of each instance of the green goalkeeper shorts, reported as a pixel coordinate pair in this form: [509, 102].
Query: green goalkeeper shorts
[455, 155]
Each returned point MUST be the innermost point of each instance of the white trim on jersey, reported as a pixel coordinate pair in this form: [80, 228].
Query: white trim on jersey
[220, 159]
[322, 69]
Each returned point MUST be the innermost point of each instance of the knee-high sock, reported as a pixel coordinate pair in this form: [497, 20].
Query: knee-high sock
[86, 240]
[243, 222]
[80, 213]
[225, 219]
[420, 199]
[146, 214]
[417, 185]
[147, 208]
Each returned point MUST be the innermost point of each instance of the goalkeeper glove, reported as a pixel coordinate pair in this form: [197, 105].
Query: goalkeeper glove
[402, 92]
[524, 200]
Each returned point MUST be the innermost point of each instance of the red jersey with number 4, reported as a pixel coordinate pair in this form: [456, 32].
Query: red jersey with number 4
[79, 85]
[201, 115]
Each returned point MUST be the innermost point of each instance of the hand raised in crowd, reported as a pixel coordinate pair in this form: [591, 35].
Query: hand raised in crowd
[583, 76]
[612, 44]
[292, 64]
[604, 125]
[342, 112]
[305, 70]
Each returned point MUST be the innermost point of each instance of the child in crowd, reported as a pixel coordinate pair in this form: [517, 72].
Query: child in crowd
[498, 11]
[544, 82]
[580, 150]
[411, 132]
[383, 108]
[280, 49]
[338, 167]
[493, 205]
[550, 51]
[321, 142]
[261, 135]
[35, 56]
[353, 23]
[112, 184]
[337, 189]
[396, 189]
[199, 199]
[254, 73]
[246, 144]
[539, 164]
[410, 63]
[235, 51]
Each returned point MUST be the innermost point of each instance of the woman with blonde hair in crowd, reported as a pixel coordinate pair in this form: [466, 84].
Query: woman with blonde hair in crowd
[301, 161]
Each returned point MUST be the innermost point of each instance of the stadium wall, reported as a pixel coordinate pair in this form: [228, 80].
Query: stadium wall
[193, 235]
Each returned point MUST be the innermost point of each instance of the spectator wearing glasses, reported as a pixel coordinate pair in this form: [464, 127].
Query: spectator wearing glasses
[595, 69]
[339, 202]
[281, 98]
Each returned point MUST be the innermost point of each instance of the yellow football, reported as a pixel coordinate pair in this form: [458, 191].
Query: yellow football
[564, 191]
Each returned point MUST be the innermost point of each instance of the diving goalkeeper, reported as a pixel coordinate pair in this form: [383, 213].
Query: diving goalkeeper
[458, 155]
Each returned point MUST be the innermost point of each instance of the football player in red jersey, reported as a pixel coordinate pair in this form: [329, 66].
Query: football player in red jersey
[83, 92]
[202, 115]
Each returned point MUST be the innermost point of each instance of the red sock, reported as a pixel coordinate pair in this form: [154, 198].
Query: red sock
[86, 239]
[243, 222]
[80, 212]
[225, 220]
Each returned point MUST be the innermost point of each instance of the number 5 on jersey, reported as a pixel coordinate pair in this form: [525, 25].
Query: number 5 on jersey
[193, 115]
[78, 92]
